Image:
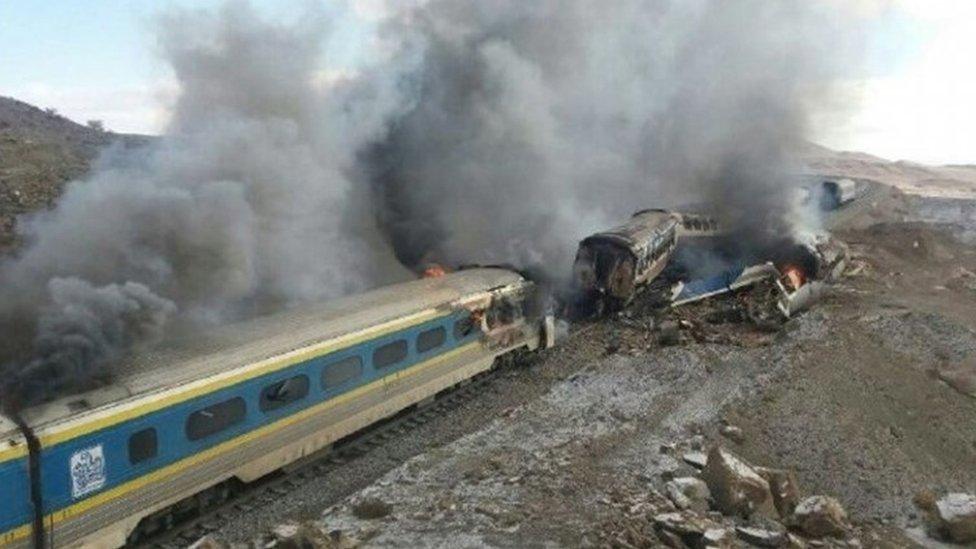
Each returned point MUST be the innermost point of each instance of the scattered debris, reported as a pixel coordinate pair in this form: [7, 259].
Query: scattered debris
[821, 516]
[736, 488]
[802, 299]
[730, 280]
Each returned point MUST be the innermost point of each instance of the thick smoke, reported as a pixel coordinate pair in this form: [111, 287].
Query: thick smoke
[488, 132]
[242, 207]
[84, 329]
[538, 122]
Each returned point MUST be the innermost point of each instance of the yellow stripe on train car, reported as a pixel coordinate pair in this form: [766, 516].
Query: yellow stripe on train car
[205, 386]
[224, 447]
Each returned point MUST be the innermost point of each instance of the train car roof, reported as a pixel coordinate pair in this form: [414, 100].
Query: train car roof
[638, 229]
[224, 348]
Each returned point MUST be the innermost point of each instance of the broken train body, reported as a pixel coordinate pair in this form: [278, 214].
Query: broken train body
[612, 266]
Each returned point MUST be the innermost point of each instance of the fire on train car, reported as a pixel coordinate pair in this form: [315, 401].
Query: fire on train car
[182, 426]
[611, 266]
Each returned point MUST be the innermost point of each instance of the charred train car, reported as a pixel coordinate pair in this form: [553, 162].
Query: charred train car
[180, 428]
[610, 266]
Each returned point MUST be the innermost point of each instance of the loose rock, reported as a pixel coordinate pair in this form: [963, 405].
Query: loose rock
[761, 537]
[957, 517]
[821, 516]
[300, 536]
[688, 493]
[717, 538]
[736, 488]
[733, 433]
[695, 459]
[688, 527]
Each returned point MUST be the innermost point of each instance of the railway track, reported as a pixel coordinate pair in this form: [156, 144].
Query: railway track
[189, 520]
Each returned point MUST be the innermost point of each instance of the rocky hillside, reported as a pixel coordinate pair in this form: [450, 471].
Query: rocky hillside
[958, 181]
[40, 151]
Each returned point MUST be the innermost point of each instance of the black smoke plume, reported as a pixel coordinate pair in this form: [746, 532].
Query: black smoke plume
[535, 123]
[482, 132]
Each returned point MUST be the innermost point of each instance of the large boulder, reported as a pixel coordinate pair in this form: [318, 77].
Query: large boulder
[956, 515]
[736, 488]
[821, 516]
[784, 488]
[960, 376]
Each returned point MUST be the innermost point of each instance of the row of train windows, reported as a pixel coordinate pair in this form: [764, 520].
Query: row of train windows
[215, 418]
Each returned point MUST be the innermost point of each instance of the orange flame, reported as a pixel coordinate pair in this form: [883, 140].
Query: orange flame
[794, 276]
[433, 271]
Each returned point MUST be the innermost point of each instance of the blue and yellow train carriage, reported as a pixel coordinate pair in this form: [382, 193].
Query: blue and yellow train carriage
[249, 399]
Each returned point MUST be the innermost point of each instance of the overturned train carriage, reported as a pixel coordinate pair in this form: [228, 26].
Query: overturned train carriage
[181, 426]
[610, 266]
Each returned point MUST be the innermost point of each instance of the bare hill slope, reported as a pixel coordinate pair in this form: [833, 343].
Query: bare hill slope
[40, 151]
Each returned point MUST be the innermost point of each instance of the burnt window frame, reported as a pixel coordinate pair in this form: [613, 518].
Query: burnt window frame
[267, 404]
[351, 359]
[402, 356]
[237, 419]
[135, 458]
[434, 330]
[469, 325]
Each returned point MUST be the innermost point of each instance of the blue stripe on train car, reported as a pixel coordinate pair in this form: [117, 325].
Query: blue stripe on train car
[110, 445]
[15, 507]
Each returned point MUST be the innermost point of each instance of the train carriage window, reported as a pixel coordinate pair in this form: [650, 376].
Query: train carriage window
[463, 328]
[390, 354]
[214, 419]
[143, 445]
[337, 373]
[431, 339]
[283, 392]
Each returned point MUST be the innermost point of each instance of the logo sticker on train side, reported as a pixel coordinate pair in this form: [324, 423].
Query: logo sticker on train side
[87, 471]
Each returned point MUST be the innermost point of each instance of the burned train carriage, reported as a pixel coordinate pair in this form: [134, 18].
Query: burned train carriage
[610, 266]
[180, 427]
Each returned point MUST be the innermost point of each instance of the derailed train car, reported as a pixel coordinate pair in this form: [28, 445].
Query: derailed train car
[610, 266]
[182, 427]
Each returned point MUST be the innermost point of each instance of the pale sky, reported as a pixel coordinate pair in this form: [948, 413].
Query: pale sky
[919, 100]
[96, 60]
